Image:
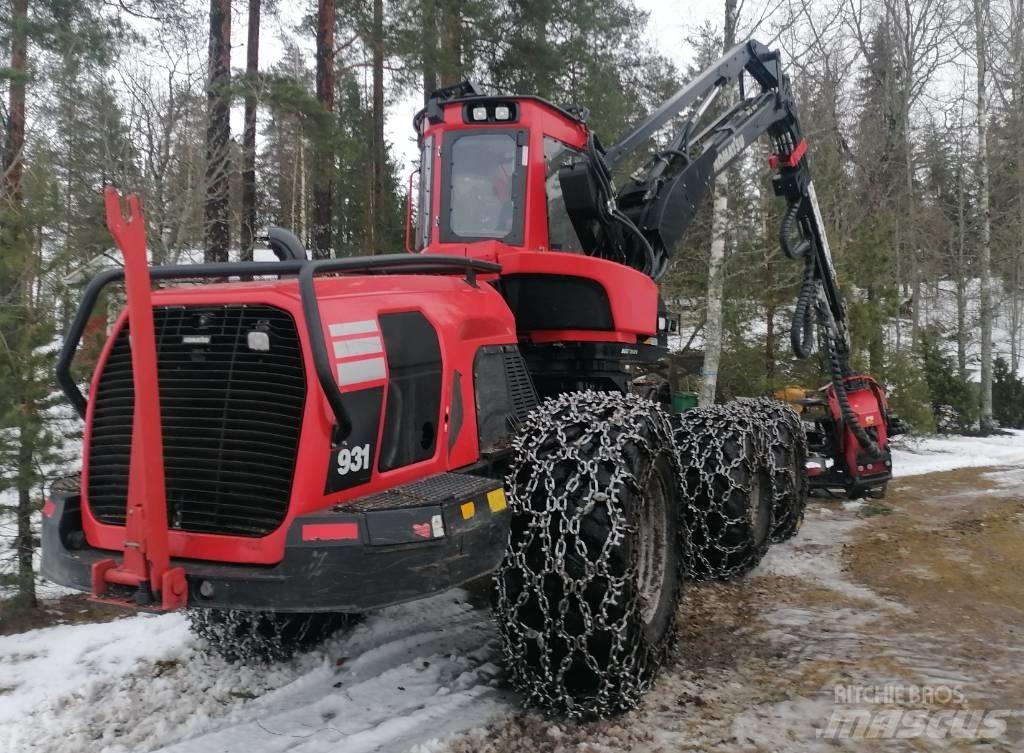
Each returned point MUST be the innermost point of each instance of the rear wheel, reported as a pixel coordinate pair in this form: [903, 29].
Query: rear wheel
[262, 637]
[788, 455]
[585, 599]
[727, 489]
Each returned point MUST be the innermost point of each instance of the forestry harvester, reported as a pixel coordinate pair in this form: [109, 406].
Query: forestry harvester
[279, 445]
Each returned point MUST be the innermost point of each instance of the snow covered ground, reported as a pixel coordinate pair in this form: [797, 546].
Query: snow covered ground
[814, 558]
[405, 676]
[408, 676]
[913, 456]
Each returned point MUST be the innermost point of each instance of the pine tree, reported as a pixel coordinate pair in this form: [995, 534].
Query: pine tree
[874, 220]
[291, 105]
[323, 185]
[65, 39]
[252, 67]
[218, 133]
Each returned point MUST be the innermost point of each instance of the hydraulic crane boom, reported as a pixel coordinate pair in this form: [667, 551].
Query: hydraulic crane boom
[641, 223]
[660, 199]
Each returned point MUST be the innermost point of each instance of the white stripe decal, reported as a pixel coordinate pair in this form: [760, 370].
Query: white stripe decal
[358, 346]
[364, 370]
[353, 328]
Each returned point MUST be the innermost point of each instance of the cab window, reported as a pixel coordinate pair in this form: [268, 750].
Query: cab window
[561, 233]
[484, 181]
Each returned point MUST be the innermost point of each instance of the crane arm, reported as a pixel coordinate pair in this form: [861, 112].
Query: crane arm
[642, 223]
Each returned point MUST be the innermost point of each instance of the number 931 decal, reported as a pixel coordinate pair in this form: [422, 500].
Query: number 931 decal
[353, 459]
[351, 464]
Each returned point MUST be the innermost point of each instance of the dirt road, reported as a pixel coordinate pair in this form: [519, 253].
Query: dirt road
[911, 604]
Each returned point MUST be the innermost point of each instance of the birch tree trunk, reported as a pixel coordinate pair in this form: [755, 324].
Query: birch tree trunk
[1017, 293]
[961, 278]
[716, 278]
[14, 145]
[915, 271]
[985, 250]
[1016, 306]
[716, 259]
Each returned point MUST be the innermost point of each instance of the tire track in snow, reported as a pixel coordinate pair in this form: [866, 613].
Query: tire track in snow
[406, 674]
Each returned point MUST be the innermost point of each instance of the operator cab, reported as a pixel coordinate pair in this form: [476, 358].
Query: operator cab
[477, 182]
[490, 187]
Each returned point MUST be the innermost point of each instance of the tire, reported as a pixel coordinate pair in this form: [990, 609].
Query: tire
[727, 490]
[262, 637]
[586, 597]
[788, 455]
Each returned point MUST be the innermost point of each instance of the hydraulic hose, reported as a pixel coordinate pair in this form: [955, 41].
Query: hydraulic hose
[801, 332]
[608, 209]
[786, 233]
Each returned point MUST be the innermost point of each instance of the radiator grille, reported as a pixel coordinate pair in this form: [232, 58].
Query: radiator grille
[231, 411]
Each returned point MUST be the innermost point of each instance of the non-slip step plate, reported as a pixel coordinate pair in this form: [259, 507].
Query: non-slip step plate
[433, 490]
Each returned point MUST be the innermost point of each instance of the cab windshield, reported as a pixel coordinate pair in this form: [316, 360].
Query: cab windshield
[484, 181]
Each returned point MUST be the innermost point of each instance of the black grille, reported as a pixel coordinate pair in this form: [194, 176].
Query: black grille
[231, 413]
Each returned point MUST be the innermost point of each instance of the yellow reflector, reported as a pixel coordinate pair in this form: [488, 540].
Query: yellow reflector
[496, 500]
[468, 510]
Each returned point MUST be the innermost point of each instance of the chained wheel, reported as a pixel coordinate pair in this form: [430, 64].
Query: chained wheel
[262, 637]
[727, 489]
[586, 596]
[788, 456]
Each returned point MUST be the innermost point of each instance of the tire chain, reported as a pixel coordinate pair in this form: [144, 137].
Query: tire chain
[567, 458]
[788, 455]
[723, 449]
[261, 637]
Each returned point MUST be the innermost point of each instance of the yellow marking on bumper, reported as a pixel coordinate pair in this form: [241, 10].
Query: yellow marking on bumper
[496, 500]
[468, 510]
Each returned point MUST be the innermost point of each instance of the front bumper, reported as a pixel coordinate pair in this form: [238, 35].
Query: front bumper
[394, 547]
